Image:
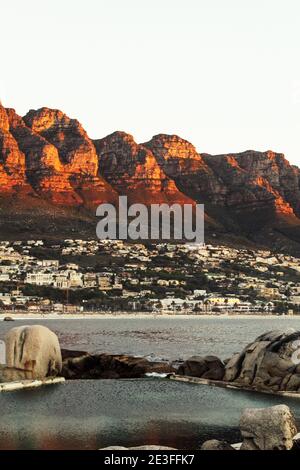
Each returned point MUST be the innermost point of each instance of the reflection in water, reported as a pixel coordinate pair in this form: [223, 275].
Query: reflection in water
[95, 414]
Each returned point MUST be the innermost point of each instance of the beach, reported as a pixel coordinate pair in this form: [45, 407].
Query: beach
[126, 315]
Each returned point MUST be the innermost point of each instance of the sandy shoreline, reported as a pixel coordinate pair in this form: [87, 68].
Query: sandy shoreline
[119, 315]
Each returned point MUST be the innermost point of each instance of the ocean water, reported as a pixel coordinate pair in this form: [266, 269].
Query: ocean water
[167, 338]
[93, 414]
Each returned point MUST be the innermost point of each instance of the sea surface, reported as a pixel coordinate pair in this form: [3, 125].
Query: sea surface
[98, 413]
[167, 338]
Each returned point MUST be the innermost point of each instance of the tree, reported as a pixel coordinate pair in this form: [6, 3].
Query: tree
[281, 307]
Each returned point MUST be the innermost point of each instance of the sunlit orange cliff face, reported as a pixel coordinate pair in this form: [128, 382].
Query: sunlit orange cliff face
[49, 158]
[133, 171]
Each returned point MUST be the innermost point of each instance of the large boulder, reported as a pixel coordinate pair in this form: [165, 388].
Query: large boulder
[271, 362]
[233, 367]
[114, 448]
[33, 348]
[208, 367]
[152, 447]
[214, 444]
[195, 366]
[253, 357]
[268, 428]
[146, 447]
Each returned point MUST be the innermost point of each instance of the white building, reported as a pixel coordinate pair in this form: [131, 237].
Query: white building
[39, 279]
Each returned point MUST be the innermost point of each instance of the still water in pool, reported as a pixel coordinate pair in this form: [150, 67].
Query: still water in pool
[95, 414]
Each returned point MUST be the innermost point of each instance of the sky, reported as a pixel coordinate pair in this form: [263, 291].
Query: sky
[224, 75]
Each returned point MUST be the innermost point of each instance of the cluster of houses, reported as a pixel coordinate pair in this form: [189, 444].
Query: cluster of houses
[16, 301]
[166, 277]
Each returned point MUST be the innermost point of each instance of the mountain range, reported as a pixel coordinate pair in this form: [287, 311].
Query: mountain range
[53, 176]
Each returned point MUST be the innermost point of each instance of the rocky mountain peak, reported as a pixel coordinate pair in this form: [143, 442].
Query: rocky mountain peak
[134, 170]
[49, 158]
[4, 123]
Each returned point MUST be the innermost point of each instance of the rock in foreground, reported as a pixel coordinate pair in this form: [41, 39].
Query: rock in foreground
[33, 349]
[214, 444]
[268, 428]
[272, 428]
[146, 447]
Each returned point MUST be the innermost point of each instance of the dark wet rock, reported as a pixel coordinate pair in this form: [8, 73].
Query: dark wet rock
[208, 367]
[195, 366]
[270, 363]
[109, 366]
[214, 444]
[296, 445]
[70, 353]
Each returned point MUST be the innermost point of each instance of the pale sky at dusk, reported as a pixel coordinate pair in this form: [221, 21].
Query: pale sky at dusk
[225, 75]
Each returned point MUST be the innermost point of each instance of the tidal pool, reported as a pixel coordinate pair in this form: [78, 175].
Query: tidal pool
[94, 414]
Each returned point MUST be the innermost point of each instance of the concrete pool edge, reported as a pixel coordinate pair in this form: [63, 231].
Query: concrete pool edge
[230, 385]
[27, 384]
[20, 385]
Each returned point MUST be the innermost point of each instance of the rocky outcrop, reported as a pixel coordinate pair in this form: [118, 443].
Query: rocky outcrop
[50, 155]
[81, 365]
[49, 163]
[254, 194]
[271, 363]
[4, 123]
[44, 169]
[273, 167]
[214, 444]
[77, 154]
[132, 169]
[180, 161]
[249, 177]
[271, 428]
[12, 160]
[76, 151]
[34, 349]
[146, 447]
[208, 367]
[245, 180]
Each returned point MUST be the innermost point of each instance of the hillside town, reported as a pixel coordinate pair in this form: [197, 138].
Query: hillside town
[86, 276]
